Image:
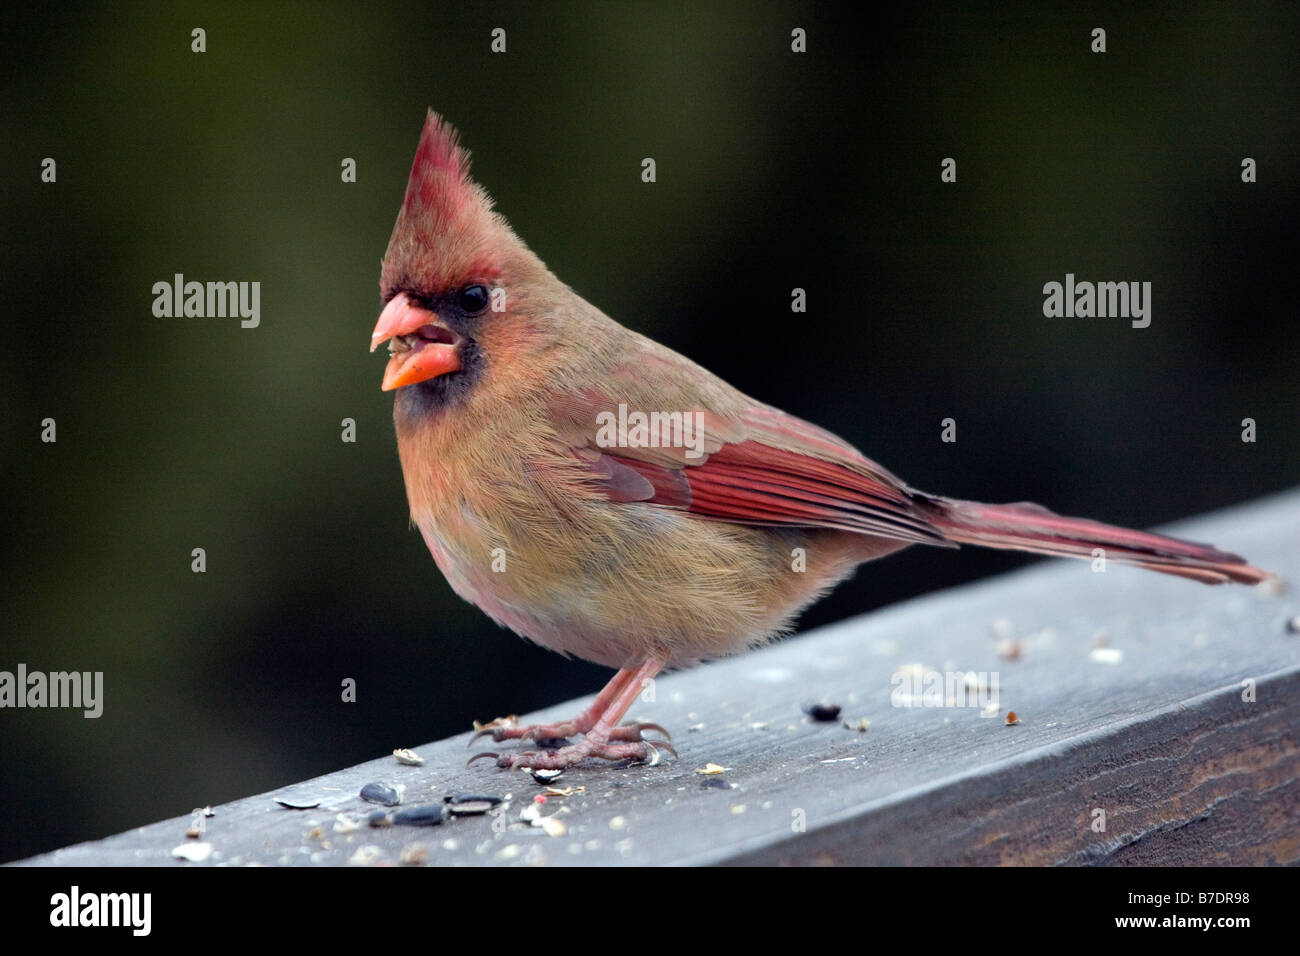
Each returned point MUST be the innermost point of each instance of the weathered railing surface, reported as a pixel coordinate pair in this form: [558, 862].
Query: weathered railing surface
[1159, 722]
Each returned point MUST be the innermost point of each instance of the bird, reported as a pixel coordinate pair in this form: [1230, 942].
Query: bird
[607, 498]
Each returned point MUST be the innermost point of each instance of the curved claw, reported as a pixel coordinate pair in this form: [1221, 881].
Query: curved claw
[646, 725]
[664, 745]
[485, 732]
[480, 756]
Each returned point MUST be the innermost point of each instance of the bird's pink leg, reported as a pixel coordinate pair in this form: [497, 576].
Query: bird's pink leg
[581, 724]
[616, 698]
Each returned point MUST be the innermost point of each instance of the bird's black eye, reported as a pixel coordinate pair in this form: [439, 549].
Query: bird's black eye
[474, 299]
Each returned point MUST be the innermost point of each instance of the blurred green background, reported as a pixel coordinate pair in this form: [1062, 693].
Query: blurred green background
[775, 170]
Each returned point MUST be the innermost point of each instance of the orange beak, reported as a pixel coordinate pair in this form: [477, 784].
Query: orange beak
[421, 347]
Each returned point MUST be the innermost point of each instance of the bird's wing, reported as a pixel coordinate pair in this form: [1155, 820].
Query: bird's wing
[730, 459]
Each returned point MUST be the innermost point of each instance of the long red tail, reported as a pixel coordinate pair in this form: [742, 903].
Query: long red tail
[1025, 526]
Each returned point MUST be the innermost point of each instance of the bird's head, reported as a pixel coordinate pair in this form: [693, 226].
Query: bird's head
[455, 278]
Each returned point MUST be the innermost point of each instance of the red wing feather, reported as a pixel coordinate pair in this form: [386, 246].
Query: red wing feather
[756, 482]
[785, 472]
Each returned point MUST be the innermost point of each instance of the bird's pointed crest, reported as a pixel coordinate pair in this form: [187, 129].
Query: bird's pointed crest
[446, 224]
[439, 181]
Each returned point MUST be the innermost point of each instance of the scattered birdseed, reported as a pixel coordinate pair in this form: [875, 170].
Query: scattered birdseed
[1106, 655]
[495, 722]
[862, 725]
[461, 796]
[696, 728]
[417, 854]
[1293, 625]
[380, 818]
[469, 804]
[563, 792]
[822, 712]
[711, 768]
[738, 809]
[990, 710]
[543, 775]
[382, 794]
[425, 815]
[1012, 718]
[298, 803]
[193, 852]
[1010, 650]
[346, 823]
[552, 826]
[408, 757]
[617, 823]
[1272, 587]
[366, 856]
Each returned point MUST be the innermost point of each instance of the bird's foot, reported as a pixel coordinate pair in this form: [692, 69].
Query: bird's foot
[635, 750]
[547, 734]
[601, 739]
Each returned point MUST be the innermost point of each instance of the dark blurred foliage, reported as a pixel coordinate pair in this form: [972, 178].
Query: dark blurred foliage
[775, 170]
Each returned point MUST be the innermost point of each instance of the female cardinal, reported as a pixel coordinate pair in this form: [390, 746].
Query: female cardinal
[642, 549]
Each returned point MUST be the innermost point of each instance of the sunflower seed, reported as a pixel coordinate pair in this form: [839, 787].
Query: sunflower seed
[299, 802]
[469, 804]
[823, 712]
[383, 794]
[425, 815]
